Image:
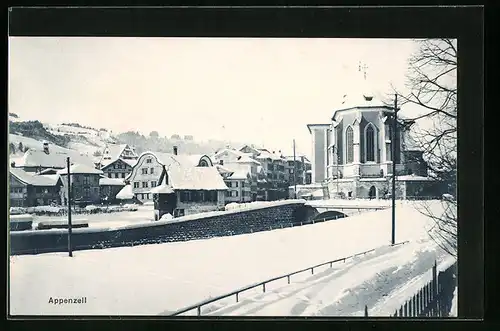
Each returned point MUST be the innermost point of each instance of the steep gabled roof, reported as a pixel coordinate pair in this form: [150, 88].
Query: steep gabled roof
[37, 158]
[35, 180]
[195, 178]
[80, 169]
[111, 181]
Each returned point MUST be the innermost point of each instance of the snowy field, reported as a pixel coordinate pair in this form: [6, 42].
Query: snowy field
[382, 280]
[144, 214]
[162, 278]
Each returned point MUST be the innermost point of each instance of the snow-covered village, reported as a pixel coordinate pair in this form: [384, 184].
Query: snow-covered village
[232, 177]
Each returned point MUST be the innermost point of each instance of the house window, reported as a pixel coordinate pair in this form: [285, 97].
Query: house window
[153, 183]
[144, 171]
[109, 174]
[242, 184]
[116, 175]
[203, 163]
[136, 184]
[86, 192]
[86, 180]
[228, 184]
[235, 184]
[144, 184]
[149, 161]
[349, 145]
[123, 175]
[234, 193]
[370, 143]
[152, 170]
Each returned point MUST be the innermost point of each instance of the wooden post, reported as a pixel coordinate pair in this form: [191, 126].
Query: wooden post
[288, 277]
[435, 293]
[312, 271]
[70, 250]
[236, 296]
[264, 287]
[294, 172]
[366, 311]
[199, 310]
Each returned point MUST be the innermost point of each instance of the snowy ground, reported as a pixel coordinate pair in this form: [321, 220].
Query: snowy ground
[382, 280]
[144, 214]
[162, 278]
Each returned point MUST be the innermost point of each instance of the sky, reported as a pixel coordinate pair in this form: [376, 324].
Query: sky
[257, 90]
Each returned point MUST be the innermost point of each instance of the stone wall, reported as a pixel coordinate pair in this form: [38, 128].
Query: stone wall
[192, 227]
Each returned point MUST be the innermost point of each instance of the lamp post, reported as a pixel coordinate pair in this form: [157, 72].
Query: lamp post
[393, 195]
[294, 172]
[70, 250]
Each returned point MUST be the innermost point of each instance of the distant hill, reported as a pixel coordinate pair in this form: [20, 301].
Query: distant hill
[88, 140]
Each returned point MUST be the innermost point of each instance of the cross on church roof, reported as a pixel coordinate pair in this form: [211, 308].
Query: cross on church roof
[364, 67]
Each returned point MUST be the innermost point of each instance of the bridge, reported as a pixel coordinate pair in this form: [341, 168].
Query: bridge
[329, 209]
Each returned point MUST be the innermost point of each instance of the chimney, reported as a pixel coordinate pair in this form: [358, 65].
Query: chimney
[175, 150]
[46, 147]
[221, 162]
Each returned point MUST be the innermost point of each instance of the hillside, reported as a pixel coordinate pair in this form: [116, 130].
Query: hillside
[87, 141]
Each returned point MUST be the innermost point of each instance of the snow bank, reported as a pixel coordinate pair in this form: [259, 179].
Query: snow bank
[454, 304]
[342, 290]
[151, 279]
[166, 217]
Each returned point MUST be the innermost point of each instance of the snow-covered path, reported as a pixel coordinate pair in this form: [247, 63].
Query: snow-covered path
[151, 279]
[374, 280]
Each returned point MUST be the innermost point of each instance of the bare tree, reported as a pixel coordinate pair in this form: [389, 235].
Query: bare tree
[432, 87]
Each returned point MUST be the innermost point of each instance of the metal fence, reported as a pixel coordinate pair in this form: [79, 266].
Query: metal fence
[432, 300]
[263, 284]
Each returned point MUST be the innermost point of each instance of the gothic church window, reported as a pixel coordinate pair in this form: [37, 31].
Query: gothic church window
[370, 143]
[349, 145]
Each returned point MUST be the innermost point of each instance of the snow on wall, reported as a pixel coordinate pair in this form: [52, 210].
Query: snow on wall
[190, 227]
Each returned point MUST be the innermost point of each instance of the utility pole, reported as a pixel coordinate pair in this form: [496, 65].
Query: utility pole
[393, 195]
[294, 172]
[337, 168]
[68, 163]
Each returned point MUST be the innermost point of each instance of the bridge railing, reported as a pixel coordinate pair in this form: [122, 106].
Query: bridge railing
[263, 283]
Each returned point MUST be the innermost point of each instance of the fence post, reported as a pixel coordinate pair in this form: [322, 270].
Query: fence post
[410, 308]
[401, 311]
[414, 306]
[312, 271]
[331, 264]
[199, 310]
[288, 277]
[264, 287]
[366, 311]
[237, 299]
[406, 309]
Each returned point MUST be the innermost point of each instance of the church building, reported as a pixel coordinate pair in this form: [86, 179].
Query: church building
[352, 153]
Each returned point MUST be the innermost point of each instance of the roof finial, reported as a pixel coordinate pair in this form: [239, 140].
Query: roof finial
[364, 69]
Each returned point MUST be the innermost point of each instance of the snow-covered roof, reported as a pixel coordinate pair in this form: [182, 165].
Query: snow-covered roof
[265, 154]
[239, 175]
[111, 181]
[48, 171]
[414, 178]
[37, 158]
[106, 163]
[229, 150]
[222, 169]
[35, 180]
[125, 193]
[247, 159]
[168, 159]
[80, 169]
[164, 189]
[196, 178]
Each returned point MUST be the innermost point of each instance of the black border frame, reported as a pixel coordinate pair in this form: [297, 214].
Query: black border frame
[464, 23]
